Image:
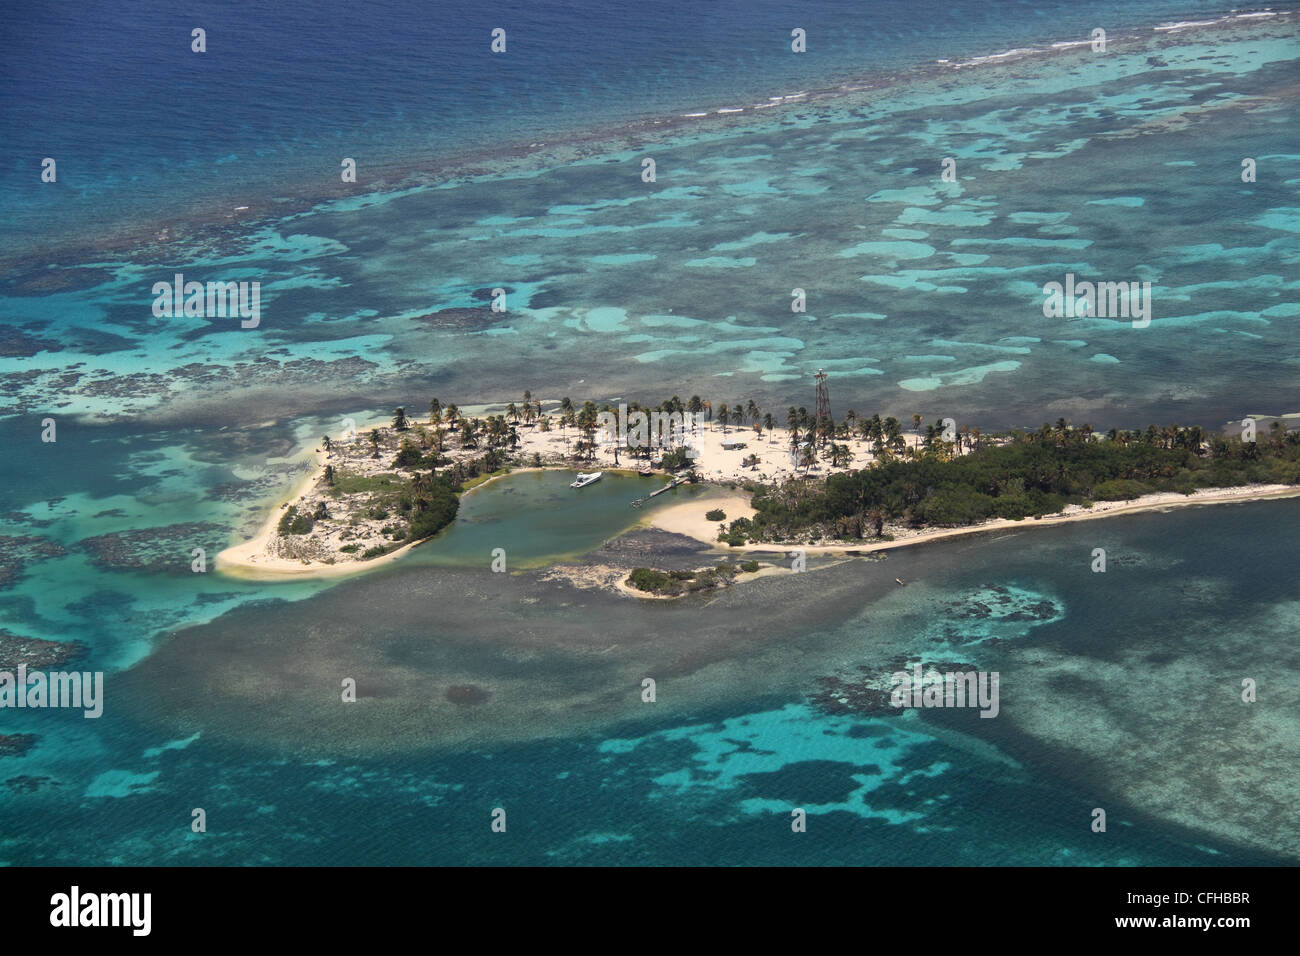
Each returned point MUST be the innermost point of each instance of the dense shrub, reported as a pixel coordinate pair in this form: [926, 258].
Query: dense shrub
[435, 508]
[291, 522]
[1031, 475]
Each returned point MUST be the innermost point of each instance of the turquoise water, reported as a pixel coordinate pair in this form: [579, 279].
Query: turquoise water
[1121, 168]
[1108, 700]
[924, 296]
[535, 516]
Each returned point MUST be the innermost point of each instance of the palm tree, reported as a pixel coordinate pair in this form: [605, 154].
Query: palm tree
[768, 423]
[723, 416]
[586, 420]
[752, 410]
[435, 411]
[326, 442]
[808, 456]
[399, 419]
[877, 519]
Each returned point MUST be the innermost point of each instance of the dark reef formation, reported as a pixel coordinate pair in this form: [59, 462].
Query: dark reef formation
[162, 550]
[16, 552]
[35, 653]
[868, 695]
[15, 745]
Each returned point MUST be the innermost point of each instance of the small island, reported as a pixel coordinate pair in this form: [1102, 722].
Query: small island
[677, 583]
[852, 486]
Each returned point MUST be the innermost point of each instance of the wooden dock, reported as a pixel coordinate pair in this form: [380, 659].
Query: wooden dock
[659, 491]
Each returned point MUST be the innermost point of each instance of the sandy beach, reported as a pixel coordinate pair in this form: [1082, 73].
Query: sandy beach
[260, 557]
[688, 518]
[254, 559]
[257, 557]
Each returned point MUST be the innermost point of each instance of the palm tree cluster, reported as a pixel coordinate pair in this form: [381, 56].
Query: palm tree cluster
[1021, 475]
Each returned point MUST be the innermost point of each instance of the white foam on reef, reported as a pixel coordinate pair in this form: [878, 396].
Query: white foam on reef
[1187, 24]
[998, 57]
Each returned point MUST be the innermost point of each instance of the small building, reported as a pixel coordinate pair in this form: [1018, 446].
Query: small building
[732, 444]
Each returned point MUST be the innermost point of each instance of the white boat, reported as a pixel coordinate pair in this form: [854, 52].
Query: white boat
[587, 478]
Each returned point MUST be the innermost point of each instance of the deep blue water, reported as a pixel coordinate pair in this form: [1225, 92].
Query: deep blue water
[142, 127]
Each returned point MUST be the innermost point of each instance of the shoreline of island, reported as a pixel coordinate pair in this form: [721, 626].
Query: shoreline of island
[763, 459]
[688, 519]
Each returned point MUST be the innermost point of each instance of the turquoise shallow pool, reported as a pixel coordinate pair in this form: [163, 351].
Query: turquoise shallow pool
[535, 515]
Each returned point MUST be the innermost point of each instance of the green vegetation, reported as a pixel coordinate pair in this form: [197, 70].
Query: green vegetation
[351, 484]
[1031, 475]
[421, 503]
[434, 509]
[674, 583]
[291, 522]
[407, 454]
[738, 534]
[717, 514]
[676, 460]
[749, 567]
